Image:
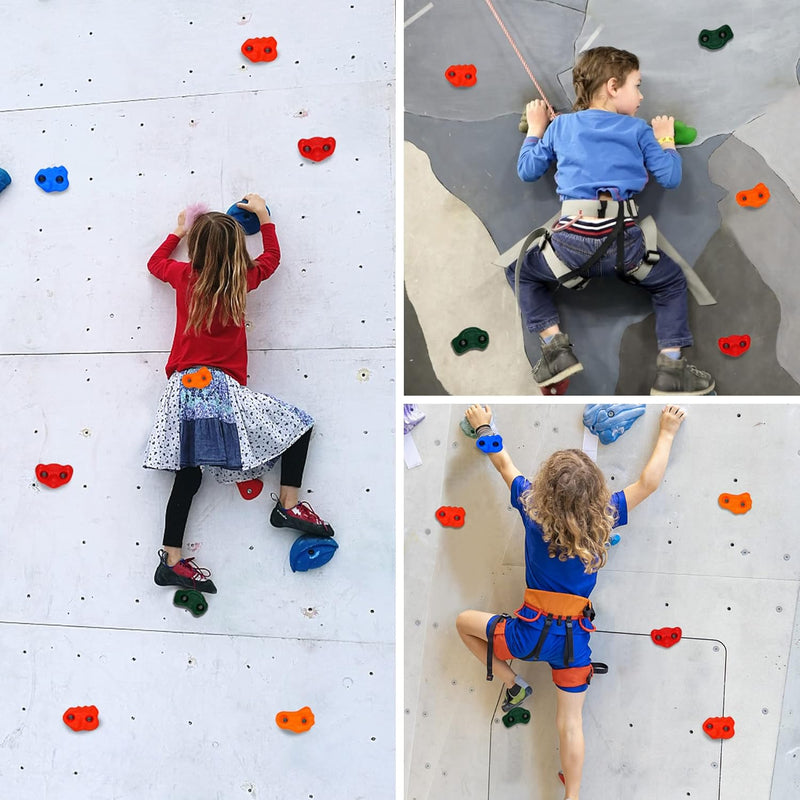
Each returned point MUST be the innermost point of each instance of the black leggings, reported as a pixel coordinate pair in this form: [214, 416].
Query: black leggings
[187, 482]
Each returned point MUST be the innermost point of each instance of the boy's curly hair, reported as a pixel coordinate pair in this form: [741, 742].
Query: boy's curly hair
[569, 498]
[594, 67]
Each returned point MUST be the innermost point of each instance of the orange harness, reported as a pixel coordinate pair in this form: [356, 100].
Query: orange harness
[566, 608]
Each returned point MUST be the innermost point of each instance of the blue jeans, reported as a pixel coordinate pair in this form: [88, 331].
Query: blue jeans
[665, 283]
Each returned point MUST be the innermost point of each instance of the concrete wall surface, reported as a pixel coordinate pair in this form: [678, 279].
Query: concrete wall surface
[151, 107]
[730, 582]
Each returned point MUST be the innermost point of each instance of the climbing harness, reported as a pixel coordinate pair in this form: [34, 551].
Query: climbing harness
[556, 607]
[578, 278]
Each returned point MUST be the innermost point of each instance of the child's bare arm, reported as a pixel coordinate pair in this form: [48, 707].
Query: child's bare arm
[478, 415]
[653, 473]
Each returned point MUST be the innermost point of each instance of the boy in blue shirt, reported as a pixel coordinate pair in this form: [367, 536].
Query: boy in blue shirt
[568, 513]
[603, 154]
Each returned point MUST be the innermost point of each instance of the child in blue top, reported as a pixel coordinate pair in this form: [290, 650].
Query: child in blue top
[568, 513]
[603, 154]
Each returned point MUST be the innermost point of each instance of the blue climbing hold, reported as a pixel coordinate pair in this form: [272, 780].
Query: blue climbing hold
[615, 537]
[247, 219]
[52, 179]
[5, 179]
[309, 552]
[490, 444]
[608, 421]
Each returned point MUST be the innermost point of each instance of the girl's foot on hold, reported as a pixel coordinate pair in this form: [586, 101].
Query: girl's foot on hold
[516, 695]
[301, 517]
[185, 573]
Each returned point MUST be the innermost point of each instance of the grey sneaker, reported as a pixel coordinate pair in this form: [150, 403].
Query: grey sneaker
[557, 362]
[678, 376]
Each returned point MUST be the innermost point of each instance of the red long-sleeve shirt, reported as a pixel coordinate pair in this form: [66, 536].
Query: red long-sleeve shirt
[224, 346]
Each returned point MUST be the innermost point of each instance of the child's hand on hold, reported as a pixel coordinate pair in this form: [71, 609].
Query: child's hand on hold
[256, 204]
[663, 127]
[180, 228]
[478, 415]
[538, 118]
[672, 418]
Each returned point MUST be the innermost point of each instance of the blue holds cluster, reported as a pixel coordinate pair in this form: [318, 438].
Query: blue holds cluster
[490, 444]
[247, 219]
[5, 179]
[608, 421]
[52, 179]
[309, 552]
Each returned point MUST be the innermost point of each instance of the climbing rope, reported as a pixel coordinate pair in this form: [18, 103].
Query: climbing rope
[521, 58]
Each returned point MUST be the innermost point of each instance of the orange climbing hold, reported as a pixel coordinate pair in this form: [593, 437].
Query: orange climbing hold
[666, 637]
[197, 380]
[736, 503]
[264, 48]
[753, 198]
[451, 516]
[53, 475]
[82, 718]
[250, 489]
[462, 75]
[719, 727]
[297, 721]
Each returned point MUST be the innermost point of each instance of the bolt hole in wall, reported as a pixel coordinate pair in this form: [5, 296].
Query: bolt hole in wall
[699, 582]
[130, 161]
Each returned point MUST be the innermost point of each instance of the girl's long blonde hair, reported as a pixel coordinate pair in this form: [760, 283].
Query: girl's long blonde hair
[220, 262]
[596, 66]
[569, 499]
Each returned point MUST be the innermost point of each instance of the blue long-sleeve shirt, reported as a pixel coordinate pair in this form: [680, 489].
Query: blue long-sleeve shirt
[599, 151]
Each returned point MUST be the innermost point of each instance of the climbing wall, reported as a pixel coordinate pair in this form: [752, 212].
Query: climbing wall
[728, 581]
[465, 205]
[149, 108]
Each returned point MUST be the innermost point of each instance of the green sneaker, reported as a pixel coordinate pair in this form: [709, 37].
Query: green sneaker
[515, 699]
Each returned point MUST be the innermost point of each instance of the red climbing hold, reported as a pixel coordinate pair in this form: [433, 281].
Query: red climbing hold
[451, 516]
[250, 489]
[555, 388]
[82, 718]
[297, 721]
[719, 727]
[262, 49]
[462, 75]
[753, 198]
[666, 637]
[317, 148]
[53, 475]
[736, 503]
[734, 345]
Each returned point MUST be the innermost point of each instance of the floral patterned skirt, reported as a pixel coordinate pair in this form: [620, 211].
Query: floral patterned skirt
[206, 418]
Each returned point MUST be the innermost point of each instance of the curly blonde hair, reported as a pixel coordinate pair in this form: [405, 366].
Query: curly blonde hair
[570, 500]
[596, 66]
[220, 262]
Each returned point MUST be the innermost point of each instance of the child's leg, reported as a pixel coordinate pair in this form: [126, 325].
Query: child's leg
[667, 287]
[293, 462]
[569, 721]
[535, 299]
[187, 482]
[471, 626]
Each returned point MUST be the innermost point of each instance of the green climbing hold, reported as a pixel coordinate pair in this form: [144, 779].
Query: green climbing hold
[517, 715]
[683, 133]
[714, 40]
[470, 339]
[192, 600]
[467, 429]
